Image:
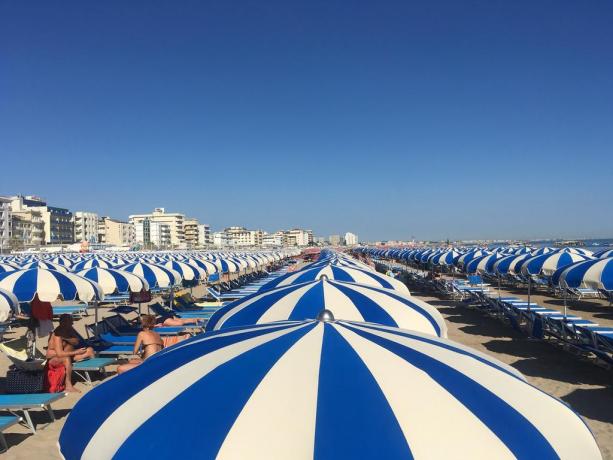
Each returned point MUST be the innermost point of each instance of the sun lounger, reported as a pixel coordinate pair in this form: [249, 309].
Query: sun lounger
[118, 325]
[83, 368]
[164, 313]
[583, 293]
[7, 421]
[116, 298]
[26, 402]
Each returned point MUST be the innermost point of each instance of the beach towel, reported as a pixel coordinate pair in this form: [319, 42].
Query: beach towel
[55, 377]
[172, 339]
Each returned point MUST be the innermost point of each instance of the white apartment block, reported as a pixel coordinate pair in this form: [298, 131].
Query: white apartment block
[298, 237]
[5, 223]
[86, 227]
[204, 236]
[220, 240]
[191, 231]
[154, 235]
[334, 240]
[351, 239]
[271, 240]
[173, 221]
[241, 237]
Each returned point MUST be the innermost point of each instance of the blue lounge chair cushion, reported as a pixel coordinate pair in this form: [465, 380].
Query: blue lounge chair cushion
[8, 420]
[22, 401]
[92, 364]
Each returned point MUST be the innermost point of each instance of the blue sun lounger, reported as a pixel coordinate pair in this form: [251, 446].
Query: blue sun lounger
[7, 421]
[26, 402]
[83, 368]
[118, 325]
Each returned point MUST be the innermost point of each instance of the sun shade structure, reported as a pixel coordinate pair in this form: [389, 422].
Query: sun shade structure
[91, 263]
[8, 303]
[115, 281]
[339, 273]
[156, 275]
[49, 285]
[322, 390]
[547, 264]
[347, 301]
[591, 274]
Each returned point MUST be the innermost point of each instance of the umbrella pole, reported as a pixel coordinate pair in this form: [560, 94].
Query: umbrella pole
[498, 287]
[565, 286]
[96, 317]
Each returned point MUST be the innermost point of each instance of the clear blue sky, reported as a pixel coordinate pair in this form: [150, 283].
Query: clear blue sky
[435, 119]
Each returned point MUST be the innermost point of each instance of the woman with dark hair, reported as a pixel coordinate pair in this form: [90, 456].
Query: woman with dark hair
[148, 342]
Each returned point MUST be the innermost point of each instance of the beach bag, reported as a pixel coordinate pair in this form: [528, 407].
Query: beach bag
[22, 381]
[55, 378]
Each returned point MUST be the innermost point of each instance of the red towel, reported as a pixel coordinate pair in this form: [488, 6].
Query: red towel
[55, 376]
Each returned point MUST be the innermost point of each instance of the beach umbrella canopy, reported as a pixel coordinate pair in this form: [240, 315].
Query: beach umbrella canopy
[507, 264]
[208, 266]
[339, 273]
[45, 265]
[483, 264]
[543, 250]
[445, 258]
[156, 275]
[604, 253]
[322, 390]
[189, 272]
[547, 264]
[115, 281]
[8, 267]
[91, 263]
[593, 274]
[8, 303]
[467, 257]
[348, 301]
[49, 285]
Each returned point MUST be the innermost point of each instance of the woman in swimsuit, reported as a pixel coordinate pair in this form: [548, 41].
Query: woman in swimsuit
[64, 348]
[148, 343]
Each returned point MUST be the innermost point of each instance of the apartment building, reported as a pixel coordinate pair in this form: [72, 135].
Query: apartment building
[115, 232]
[168, 220]
[86, 227]
[5, 223]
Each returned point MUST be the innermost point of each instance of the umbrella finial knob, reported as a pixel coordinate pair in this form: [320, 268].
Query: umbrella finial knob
[326, 316]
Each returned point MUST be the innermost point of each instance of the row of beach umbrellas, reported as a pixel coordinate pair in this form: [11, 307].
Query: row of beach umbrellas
[92, 277]
[333, 360]
[568, 267]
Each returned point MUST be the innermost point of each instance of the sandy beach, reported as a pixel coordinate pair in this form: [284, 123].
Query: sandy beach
[583, 385]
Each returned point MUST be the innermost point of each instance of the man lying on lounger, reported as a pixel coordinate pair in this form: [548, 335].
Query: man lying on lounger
[63, 349]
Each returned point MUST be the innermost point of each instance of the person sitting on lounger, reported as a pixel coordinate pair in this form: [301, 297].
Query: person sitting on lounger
[147, 344]
[64, 349]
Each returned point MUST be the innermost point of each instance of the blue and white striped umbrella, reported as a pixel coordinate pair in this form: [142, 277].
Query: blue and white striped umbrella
[91, 263]
[156, 275]
[507, 264]
[543, 250]
[467, 257]
[547, 264]
[115, 281]
[49, 285]
[445, 258]
[189, 272]
[347, 301]
[604, 253]
[208, 266]
[8, 267]
[483, 264]
[593, 274]
[322, 390]
[44, 265]
[333, 272]
[8, 304]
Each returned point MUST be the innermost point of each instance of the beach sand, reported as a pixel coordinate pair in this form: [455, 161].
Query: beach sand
[586, 387]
